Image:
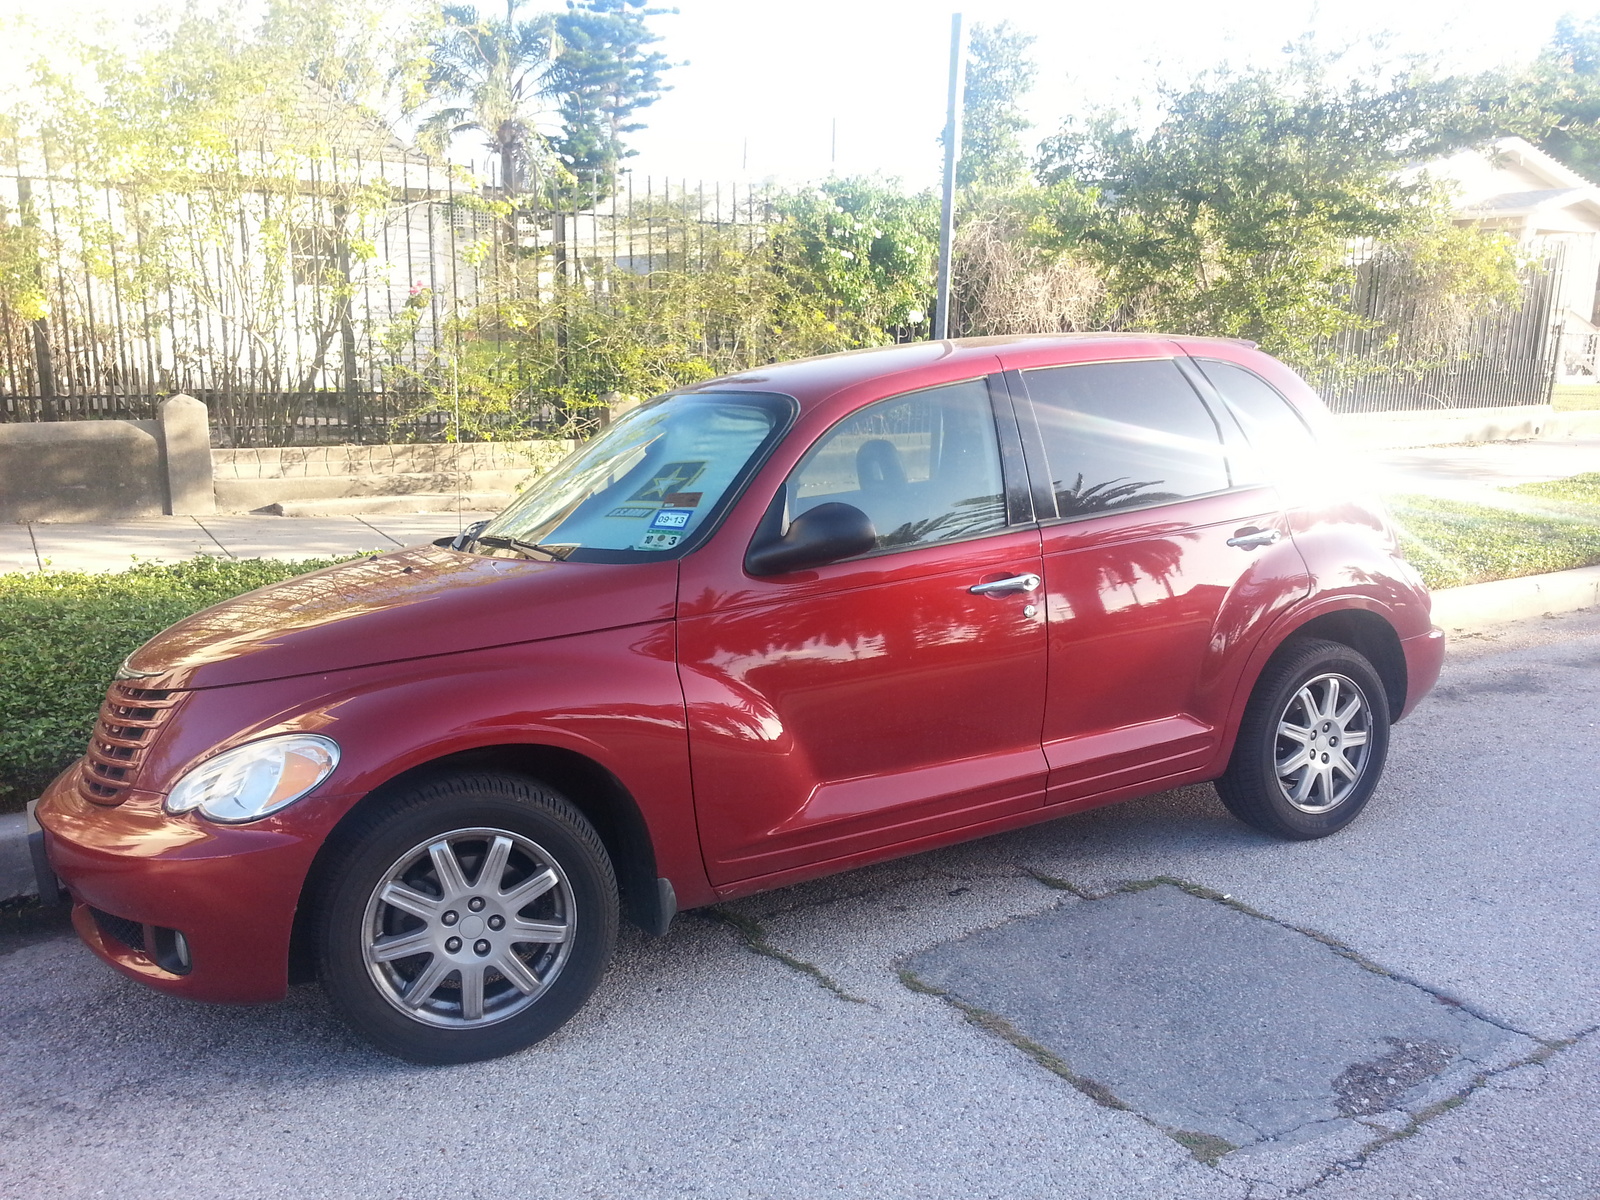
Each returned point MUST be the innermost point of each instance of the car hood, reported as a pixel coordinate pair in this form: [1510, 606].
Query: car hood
[409, 604]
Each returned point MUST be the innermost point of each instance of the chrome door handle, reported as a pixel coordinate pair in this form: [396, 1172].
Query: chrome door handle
[1261, 537]
[1017, 583]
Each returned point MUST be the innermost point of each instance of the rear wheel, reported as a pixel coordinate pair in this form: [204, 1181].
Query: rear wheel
[468, 920]
[1312, 743]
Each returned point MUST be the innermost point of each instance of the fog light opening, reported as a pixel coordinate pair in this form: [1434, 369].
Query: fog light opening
[171, 950]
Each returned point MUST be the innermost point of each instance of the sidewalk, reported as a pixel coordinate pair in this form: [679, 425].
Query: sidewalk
[115, 546]
[1476, 473]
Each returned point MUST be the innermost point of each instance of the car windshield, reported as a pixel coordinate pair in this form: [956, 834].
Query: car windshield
[646, 485]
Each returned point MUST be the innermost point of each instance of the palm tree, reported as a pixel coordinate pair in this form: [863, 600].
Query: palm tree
[498, 72]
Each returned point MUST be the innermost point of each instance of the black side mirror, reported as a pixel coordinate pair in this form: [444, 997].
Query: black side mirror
[819, 535]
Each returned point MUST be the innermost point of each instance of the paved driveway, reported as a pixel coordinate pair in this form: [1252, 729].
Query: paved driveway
[794, 1051]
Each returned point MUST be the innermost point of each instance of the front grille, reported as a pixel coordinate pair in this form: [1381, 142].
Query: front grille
[120, 929]
[122, 734]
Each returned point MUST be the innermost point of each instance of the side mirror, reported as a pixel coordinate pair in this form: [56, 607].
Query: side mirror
[819, 535]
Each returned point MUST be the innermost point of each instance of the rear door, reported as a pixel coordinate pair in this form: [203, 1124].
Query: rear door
[1162, 566]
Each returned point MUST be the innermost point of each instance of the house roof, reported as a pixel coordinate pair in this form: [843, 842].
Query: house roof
[1516, 204]
[310, 113]
[1534, 160]
[1512, 178]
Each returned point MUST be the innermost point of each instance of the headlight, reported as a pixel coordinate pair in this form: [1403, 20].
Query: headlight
[248, 782]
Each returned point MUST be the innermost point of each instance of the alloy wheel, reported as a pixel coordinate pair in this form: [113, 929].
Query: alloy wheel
[469, 928]
[1323, 740]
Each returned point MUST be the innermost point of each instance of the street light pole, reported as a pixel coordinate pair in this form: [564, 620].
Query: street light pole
[952, 152]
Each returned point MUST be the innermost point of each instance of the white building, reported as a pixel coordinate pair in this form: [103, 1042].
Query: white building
[1515, 187]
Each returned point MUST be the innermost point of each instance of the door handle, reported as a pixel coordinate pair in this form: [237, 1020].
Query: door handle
[999, 587]
[1250, 539]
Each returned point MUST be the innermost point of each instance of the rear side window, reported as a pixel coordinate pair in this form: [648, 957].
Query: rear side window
[1122, 434]
[1276, 432]
[924, 466]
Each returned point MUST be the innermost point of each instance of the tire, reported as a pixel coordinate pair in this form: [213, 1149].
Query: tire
[1298, 770]
[418, 923]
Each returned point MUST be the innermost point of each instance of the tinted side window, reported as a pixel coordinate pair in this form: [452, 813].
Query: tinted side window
[1120, 434]
[1276, 431]
[925, 467]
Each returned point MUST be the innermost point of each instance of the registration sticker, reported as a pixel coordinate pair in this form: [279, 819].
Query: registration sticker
[672, 518]
[659, 541]
[631, 510]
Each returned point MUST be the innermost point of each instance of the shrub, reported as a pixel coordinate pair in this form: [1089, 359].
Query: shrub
[62, 636]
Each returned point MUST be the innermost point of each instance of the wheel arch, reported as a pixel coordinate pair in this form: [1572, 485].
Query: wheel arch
[588, 785]
[1370, 635]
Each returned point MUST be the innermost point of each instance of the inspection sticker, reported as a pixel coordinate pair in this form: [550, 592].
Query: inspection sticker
[658, 541]
[672, 518]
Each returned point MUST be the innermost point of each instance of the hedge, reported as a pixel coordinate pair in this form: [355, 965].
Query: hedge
[63, 634]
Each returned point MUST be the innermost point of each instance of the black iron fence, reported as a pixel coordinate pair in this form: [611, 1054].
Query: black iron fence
[368, 298]
[344, 300]
[1413, 354]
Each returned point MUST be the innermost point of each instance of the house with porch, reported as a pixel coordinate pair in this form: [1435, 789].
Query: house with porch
[1514, 187]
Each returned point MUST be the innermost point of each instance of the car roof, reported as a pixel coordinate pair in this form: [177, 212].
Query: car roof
[812, 380]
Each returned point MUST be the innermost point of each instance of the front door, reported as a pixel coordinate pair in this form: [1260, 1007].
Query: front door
[886, 698]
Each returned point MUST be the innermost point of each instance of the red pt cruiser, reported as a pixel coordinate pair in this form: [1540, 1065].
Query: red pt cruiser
[761, 629]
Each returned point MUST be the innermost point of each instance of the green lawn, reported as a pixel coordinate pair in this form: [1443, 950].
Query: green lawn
[1454, 543]
[1575, 398]
[1580, 492]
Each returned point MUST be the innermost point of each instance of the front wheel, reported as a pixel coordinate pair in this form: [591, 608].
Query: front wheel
[468, 920]
[1312, 743]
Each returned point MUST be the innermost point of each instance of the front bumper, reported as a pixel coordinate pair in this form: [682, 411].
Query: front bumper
[232, 891]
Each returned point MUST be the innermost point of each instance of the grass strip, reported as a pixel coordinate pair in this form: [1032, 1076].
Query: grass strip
[1453, 543]
[1580, 493]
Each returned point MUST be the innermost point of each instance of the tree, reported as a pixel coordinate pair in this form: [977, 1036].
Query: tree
[1234, 214]
[217, 178]
[999, 74]
[1555, 101]
[500, 73]
[603, 75]
[862, 251]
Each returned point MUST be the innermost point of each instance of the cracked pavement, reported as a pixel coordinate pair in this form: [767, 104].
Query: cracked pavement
[789, 1045]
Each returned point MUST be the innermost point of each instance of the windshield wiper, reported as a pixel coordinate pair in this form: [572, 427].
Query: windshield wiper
[498, 541]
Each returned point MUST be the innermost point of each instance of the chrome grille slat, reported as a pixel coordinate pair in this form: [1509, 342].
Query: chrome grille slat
[123, 732]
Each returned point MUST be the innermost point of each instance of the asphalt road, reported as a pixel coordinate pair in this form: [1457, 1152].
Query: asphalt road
[707, 1068]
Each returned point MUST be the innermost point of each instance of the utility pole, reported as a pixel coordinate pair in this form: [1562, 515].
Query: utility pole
[952, 153]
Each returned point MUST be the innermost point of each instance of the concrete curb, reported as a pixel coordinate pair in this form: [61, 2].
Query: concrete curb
[1478, 605]
[16, 861]
[1455, 610]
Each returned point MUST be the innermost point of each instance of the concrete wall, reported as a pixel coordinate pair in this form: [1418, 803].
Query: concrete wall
[80, 471]
[252, 478]
[111, 470]
[108, 470]
[1394, 431]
